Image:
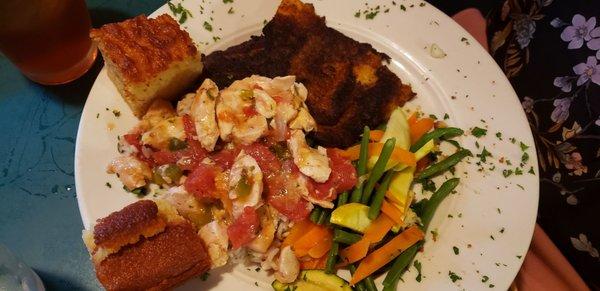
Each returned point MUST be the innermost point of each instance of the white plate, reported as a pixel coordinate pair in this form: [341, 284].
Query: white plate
[467, 84]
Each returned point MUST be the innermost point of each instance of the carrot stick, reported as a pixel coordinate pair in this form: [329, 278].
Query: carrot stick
[392, 212]
[376, 135]
[398, 155]
[312, 264]
[412, 119]
[298, 230]
[322, 247]
[373, 234]
[387, 253]
[310, 239]
[419, 128]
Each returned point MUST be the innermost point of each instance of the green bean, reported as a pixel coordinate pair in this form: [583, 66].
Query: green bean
[332, 258]
[315, 214]
[324, 217]
[342, 199]
[435, 200]
[375, 207]
[403, 261]
[360, 286]
[437, 133]
[370, 283]
[399, 266]
[378, 169]
[444, 165]
[345, 237]
[362, 164]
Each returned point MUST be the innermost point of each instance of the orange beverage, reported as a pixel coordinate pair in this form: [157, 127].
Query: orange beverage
[48, 40]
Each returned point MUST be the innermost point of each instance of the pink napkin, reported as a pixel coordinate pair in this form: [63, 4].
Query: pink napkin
[544, 267]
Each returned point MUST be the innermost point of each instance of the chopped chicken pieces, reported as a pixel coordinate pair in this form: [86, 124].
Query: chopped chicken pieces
[245, 183]
[215, 237]
[202, 111]
[131, 171]
[313, 163]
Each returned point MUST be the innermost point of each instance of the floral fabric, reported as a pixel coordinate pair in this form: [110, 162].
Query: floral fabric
[550, 51]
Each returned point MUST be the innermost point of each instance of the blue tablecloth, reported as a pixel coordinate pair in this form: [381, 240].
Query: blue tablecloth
[39, 218]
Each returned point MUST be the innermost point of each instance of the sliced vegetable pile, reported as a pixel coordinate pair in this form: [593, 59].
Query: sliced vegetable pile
[376, 227]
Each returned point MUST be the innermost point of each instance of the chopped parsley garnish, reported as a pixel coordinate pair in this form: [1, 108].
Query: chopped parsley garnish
[499, 135]
[519, 257]
[525, 157]
[453, 276]
[492, 286]
[204, 276]
[418, 266]
[435, 234]
[456, 250]
[108, 185]
[117, 113]
[215, 39]
[357, 14]
[207, 26]
[227, 1]
[478, 132]
[402, 7]
[523, 146]
[512, 140]
[499, 210]
[492, 237]
[230, 11]
[531, 171]
[465, 40]
[422, 4]
[371, 14]
[180, 11]
[518, 171]
[446, 116]
[502, 230]
[484, 279]
[484, 154]
[507, 172]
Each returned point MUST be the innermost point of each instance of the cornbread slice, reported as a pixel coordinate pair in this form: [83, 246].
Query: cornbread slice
[148, 59]
[146, 246]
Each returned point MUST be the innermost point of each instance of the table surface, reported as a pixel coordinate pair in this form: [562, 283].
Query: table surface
[39, 218]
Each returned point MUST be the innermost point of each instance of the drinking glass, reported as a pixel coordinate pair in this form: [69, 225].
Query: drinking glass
[15, 275]
[48, 40]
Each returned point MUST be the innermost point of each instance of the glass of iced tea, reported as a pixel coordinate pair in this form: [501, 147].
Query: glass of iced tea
[48, 40]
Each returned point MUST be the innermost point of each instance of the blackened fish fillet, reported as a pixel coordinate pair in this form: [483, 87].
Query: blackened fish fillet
[348, 84]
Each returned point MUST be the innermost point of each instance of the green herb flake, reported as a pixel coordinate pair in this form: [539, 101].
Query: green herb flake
[519, 257]
[478, 132]
[507, 172]
[512, 140]
[207, 26]
[116, 113]
[499, 211]
[371, 15]
[518, 171]
[453, 276]
[434, 234]
[422, 4]
[230, 11]
[492, 286]
[108, 185]
[418, 266]
[499, 135]
[215, 39]
[456, 250]
[531, 171]
[476, 144]
[446, 116]
[492, 237]
[502, 230]
[525, 157]
[523, 146]
[402, 7]
[227, 1]
[484, 279]
[484, 155]
[357, 14]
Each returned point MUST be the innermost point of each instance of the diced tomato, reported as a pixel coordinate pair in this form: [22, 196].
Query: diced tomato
[342, 178]
[201, 182]
[187, 158]
[189, 127]
[249, 111]
[283, 193]
[267, 161]
[225, 157]
[244, 229]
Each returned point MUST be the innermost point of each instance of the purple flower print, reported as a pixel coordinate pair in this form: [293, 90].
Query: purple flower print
[579, 32]
[589, 70]
[594, 44]
[527, 104]
[561, 110]
[525, 28]
[564, 83]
